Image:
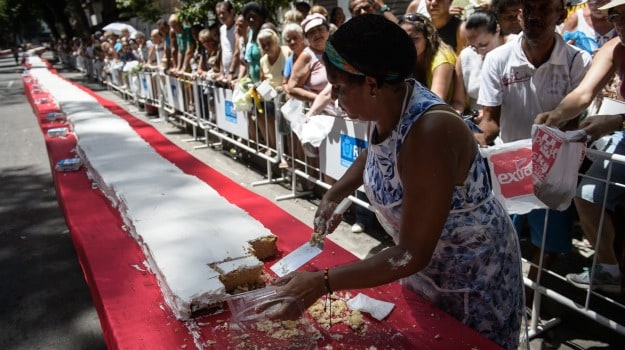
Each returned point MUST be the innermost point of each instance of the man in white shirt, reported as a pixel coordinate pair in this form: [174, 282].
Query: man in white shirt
[528, 75]
[229, 51]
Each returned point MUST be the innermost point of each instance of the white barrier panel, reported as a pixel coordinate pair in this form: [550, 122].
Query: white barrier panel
[229, 119]
[135, 84]
[146, 85]
[174, 93]
[342, 146]
[197, 99]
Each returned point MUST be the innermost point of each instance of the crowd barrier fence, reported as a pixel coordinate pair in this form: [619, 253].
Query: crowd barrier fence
[207, 108]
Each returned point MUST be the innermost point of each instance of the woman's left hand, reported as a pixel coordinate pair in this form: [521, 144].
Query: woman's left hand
[304, 287]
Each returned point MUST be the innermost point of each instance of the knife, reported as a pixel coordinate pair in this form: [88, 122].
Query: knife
[308, 250]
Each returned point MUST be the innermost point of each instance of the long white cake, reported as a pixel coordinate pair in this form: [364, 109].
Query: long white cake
[197, 244]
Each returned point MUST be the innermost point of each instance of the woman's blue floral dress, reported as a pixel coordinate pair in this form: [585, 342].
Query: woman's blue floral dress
[475, 270]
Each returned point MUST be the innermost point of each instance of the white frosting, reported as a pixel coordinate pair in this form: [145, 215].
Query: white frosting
[183, 225]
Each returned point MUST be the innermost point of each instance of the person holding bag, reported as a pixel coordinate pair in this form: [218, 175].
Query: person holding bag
[590, 193]
[528, 75]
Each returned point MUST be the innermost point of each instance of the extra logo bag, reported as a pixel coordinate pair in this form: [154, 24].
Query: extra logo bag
[556, 158]
[511, 175]
[537, 173]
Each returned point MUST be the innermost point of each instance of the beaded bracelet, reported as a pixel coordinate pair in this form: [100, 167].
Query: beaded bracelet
[326, 277]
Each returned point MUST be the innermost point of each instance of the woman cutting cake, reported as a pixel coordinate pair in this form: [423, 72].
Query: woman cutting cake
[422, 171]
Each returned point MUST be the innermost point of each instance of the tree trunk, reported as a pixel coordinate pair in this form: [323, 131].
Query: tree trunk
[54, 12]
[78, 19]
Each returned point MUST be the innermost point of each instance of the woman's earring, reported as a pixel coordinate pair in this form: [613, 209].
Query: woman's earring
[372, 94]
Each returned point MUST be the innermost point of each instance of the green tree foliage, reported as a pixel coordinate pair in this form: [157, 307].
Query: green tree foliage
[18, 21]
[196, 11]
[147, 10]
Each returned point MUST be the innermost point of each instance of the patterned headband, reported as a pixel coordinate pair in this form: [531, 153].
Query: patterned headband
[339, 62]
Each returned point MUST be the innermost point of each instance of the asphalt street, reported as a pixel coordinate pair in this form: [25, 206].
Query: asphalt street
[44, 300]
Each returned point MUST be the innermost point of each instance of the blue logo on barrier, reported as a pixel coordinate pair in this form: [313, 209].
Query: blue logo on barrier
[231, 114]
[350, 148]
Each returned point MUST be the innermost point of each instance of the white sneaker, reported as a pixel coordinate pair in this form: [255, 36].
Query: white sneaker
[358, 228]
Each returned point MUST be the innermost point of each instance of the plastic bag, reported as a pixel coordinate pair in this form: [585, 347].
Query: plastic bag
[317, 129]
[511, 174]
[291, 109]
[556, 158]
[240, 99]
[582, 41]
[266, 91]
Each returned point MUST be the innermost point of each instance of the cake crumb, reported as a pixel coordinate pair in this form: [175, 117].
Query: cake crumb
[320, 313]
[336, 336]
[403, 261]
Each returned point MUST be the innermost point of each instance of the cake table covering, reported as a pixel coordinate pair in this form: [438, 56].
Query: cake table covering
[131, 308]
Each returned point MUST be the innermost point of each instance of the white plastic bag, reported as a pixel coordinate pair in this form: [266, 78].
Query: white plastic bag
[291, 109]
[511, 174]
[266, 91]
[317, 129]
[241, 101]
[556, 158]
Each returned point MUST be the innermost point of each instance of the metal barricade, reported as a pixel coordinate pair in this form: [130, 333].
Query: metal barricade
[569, 299]
[254, 132]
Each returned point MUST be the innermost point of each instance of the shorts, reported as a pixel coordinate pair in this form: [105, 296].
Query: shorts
[559, 228]
[593, 190]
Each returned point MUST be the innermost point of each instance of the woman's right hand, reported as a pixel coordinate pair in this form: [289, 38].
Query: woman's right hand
[325, 221]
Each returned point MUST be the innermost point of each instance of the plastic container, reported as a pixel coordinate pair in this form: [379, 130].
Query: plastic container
[56, 117]
[249, 327]
[58, 132]
[70, 164]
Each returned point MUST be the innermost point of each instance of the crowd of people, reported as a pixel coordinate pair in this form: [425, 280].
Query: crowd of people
[502, 67]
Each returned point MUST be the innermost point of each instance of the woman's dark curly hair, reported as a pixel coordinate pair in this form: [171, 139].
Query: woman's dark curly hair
[376, 47]
[256, 7]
